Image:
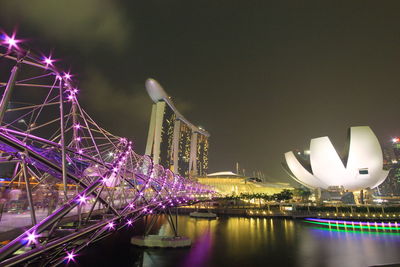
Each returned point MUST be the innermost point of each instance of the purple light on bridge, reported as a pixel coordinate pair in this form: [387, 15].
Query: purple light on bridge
[110, 225]
[48, 61]
[82, 199]
[70, 256]
[10, 41]
[31, 238]
[67, 76]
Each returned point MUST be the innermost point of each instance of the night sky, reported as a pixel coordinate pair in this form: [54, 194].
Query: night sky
[263, 77]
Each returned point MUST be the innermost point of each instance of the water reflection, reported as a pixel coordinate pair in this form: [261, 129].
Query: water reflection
[238, 241]
[352, 246]
[201, 251]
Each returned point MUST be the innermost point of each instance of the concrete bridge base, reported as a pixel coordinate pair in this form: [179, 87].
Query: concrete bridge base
[152, 241]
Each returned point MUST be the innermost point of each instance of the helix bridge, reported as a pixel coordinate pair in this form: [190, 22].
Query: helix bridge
[46, 137]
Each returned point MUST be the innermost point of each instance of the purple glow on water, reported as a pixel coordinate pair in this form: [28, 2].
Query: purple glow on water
[200, 251]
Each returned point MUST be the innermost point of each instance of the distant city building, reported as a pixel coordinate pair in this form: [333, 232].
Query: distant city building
[391, 186]
[229, 183]
[360, 168]
[396, 148]
[172, 140]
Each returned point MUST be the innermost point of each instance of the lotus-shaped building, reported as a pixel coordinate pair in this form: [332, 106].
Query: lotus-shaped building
[361, 167]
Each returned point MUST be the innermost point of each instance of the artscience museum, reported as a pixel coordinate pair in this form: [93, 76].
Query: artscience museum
[359, 168]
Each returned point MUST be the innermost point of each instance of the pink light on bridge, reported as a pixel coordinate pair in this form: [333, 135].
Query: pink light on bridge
[110, 225]
[70, 256]
[67, 76]
[10, 41]
[82, 199]
[31, 237]
[48, 61]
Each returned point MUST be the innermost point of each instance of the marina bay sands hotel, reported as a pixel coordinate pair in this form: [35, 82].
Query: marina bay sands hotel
[173, 141]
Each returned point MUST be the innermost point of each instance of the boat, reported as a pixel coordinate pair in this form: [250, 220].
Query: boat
[203, 214]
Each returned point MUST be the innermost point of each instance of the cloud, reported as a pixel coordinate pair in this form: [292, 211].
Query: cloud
[73, 21]
[126, 111]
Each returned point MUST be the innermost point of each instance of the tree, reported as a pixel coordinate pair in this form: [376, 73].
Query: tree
[283, 195]
[302, 192]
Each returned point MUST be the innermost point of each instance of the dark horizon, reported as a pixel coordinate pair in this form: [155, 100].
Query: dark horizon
[262, 77]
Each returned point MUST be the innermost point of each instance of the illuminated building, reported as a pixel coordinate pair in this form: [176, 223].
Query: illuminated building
[391, 186]
[360, 168]
[396, 148]
[172, 140]
[229, 183]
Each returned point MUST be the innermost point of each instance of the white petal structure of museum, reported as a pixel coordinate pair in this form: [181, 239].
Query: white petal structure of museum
[360, 168]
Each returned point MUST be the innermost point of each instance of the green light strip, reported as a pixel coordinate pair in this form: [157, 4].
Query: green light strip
[354, 231]
[356, 226]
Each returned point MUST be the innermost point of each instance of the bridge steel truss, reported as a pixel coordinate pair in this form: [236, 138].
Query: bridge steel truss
[48, 140]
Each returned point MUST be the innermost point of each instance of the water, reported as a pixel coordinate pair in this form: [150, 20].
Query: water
[237, 241]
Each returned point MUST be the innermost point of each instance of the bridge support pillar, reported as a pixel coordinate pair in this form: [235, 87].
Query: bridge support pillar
[162, 241]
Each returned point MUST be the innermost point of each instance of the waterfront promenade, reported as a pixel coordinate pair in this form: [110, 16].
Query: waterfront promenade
[292, 211]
